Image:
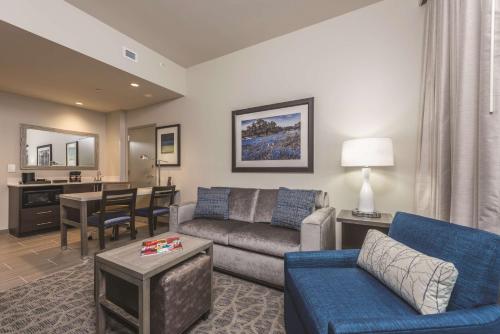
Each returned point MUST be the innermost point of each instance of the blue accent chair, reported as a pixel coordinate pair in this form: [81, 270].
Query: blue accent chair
[327, 293]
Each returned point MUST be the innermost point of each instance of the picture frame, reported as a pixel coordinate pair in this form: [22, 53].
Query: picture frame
[72, 154]
[168, 145]
[44, 155]
[275, 138]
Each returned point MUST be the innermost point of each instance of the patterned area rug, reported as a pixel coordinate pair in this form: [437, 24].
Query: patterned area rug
[63, 303]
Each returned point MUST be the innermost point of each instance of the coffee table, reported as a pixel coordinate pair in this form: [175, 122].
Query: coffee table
[126, 263]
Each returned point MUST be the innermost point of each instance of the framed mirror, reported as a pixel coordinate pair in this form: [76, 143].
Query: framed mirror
[47, 148]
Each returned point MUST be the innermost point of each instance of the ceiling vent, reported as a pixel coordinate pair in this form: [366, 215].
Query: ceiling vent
[130, 54]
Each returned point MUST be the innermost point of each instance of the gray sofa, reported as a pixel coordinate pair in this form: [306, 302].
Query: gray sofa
[247, 244]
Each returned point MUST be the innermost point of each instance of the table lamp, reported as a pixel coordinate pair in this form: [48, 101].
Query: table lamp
[366, 153]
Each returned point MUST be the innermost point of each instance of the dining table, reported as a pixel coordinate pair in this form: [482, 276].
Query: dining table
[80, 202]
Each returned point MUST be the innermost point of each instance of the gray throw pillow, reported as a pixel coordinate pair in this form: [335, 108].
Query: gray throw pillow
[292, 207]
[212, 203]
[424, 282]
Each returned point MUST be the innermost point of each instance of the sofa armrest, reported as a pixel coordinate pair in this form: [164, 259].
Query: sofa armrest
[485, 319]
[318, 230]
[326, 259]
[180, 213]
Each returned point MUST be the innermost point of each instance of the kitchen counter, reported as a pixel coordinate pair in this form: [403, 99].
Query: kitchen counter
[19, 185]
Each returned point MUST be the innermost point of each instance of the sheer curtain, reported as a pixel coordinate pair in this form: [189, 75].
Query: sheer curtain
[458, 167]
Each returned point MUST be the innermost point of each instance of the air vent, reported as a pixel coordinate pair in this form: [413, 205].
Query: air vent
[130, 54]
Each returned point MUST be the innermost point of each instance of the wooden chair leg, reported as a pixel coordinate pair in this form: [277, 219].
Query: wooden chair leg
[155, 222]
[116, 232]
[101, 237]
[151, 221]
[133, 232]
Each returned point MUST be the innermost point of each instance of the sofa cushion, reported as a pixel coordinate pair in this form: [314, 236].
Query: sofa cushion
[425, 282]
[242, 204]
[265, 239]
[212, 203]
[292, 207]
[321, 295]
[212, 229]
[266, 202]
[475, 254]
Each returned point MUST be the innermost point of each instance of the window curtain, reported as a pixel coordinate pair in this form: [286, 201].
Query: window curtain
[458, 166]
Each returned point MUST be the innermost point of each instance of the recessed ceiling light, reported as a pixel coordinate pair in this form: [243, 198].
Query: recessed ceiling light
[134, 84]
[78, 103]
[148, 95]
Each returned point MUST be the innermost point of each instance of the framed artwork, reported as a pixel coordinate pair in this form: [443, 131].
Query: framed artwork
[72, 154]
[44, 155]
[274, 138]
[168, 145]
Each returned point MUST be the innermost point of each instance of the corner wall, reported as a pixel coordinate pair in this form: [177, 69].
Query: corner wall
[363, 69]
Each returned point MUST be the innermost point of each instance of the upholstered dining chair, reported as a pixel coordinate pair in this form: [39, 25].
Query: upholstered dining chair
[159, 205]
[117, 208]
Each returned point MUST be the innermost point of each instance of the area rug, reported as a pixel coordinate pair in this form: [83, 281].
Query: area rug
[63, 303]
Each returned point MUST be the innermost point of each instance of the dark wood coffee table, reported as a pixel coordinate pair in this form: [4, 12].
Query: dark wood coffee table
[127, 264]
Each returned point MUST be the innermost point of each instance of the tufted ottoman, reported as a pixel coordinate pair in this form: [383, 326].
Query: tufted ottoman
[181, 296]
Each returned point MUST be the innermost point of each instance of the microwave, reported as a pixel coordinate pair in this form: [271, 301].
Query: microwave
[33, 198]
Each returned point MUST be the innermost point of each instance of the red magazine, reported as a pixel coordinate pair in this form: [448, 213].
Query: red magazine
[160, 246]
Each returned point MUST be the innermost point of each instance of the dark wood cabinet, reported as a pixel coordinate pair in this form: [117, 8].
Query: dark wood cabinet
[32, 220]
[37, 219]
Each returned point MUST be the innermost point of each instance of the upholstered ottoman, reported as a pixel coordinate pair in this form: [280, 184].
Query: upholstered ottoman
[181, 296]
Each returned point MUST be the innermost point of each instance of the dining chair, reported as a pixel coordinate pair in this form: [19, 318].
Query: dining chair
[115, 186]
[117, 208]
[159, 205]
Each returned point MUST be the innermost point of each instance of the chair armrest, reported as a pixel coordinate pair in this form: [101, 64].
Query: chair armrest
[342, 259]
[317, 231]
[485, 319]
[180, 213]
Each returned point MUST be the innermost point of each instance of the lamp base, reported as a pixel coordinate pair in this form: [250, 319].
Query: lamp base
[358, 213]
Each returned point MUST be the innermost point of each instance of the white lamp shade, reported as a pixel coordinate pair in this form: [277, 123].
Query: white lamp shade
[367, 152]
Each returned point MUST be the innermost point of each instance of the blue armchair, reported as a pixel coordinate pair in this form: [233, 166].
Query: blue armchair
[326, 293]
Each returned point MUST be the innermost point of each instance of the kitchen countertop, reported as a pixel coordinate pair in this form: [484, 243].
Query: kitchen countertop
[18, 185]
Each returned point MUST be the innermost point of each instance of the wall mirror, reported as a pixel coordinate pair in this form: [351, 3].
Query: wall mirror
[46, 148]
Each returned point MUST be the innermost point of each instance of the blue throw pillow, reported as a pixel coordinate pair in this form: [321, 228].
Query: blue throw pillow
[212, 203]
[292, 207]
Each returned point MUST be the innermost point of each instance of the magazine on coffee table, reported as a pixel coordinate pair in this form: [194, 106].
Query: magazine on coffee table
[161, 246]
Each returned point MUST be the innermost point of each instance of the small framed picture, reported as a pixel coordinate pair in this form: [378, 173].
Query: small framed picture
[274, 138]
[44, 155]
[72, 154]
[168, 145]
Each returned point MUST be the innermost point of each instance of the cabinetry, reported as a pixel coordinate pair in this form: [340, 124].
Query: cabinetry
[35, 209]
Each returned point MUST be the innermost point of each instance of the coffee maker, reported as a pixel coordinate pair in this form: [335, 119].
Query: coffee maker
[28, 177]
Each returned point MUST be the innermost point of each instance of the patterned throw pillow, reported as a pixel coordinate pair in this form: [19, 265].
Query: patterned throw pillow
[212, 203]
[292, 207]
[424, 282]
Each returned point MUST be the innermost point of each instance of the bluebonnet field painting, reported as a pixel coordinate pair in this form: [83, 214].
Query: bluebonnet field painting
[271, 138]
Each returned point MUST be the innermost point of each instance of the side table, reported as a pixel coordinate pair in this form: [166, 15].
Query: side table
[354, 228]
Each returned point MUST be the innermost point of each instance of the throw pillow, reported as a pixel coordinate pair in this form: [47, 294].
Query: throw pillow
[292, 207]
[212, 203]
[424, 282]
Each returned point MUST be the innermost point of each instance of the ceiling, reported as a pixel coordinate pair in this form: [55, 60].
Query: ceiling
[33, 66]
[190, 32]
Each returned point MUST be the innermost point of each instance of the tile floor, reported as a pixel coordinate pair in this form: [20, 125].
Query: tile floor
[26, 259]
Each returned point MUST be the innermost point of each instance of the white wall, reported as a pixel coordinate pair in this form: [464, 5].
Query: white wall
[15, 110]
[363, 69]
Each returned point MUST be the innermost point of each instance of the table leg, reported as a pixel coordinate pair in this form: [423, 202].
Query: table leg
[64, 228]
[100, 291]
[144, 307]
[83, 229]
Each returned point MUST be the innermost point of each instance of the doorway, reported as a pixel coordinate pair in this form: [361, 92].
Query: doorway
[141, 142]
